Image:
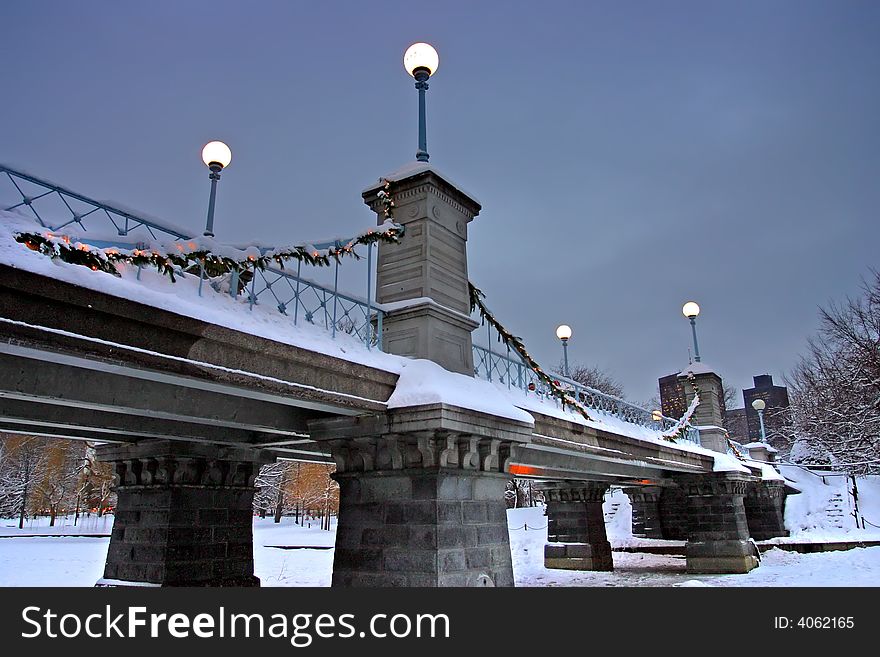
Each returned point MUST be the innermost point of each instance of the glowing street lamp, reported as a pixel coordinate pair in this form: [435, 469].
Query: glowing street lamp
[759, 406]
[563, 332]
[421, 61]
[216, 156]
[691, 310]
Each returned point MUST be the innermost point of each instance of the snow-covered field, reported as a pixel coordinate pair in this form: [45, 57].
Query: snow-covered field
[27, 559]
[79, 561]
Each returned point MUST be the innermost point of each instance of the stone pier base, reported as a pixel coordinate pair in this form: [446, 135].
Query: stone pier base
[422, 528]
[183, 516]
[576, 526]
[421, 500]
[718, 535]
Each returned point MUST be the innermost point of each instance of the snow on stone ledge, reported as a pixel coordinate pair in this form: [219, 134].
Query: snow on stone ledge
[697, 368]
[413, 169]
[728, 463]
[759, 445]
[425, 382]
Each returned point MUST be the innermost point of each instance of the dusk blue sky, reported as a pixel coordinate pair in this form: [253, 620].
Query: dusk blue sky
[629, 156]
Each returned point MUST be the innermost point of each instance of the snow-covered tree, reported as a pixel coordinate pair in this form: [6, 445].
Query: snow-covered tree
[835, 388]
[22, 466]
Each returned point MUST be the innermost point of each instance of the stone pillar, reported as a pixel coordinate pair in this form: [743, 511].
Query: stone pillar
[709, 414]
[762, 452]
[421, 497]
[184, 514]
[673, 508]
[645, 502]
[425, 276]
[576, 526]
[765, 509]
[718, 534]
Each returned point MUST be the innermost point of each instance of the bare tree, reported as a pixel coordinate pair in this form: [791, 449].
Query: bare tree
[594, 377]
[835, 388]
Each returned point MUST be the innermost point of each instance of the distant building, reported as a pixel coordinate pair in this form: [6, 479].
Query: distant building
[673, 401]
[737, 424]
[775, 413]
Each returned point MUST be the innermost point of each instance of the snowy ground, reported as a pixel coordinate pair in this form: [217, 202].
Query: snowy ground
[79, 561]
[30, 560]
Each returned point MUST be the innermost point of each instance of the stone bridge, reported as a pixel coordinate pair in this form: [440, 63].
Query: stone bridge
[188, 410]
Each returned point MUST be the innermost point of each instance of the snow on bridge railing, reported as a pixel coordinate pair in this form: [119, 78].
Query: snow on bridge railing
[510, 370]
[107, 224]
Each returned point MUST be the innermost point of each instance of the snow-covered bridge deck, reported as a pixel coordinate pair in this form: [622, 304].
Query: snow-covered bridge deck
[79, 363]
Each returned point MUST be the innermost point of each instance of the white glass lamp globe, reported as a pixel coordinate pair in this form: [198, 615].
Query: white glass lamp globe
[657, 416]
[421, 55]
[563, 332]
[216, 151]
[759, 405]
[690, 309]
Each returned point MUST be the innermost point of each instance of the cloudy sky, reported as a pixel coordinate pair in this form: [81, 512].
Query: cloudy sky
[628, 155]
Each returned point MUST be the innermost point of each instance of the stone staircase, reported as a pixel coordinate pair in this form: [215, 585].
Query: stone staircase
[836, 510]
[612, 504]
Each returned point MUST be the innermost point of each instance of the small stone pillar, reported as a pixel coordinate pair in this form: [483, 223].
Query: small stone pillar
[718, 534]
[645, 502]
[765, 509]
[425, 276]
[421, 497]
[709, 414]
[576, 526]
[184, 514]
[762, 452]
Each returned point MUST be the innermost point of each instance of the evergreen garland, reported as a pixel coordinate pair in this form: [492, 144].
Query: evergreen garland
[674, 432]
[189, 254]
[515, 343]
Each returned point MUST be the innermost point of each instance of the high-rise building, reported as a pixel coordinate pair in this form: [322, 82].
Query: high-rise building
[775, 413]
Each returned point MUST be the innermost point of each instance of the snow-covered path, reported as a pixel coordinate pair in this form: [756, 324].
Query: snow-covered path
[79, 561]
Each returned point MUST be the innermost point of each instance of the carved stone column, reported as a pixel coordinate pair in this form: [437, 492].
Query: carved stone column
[718, 534]
[576, 526]
[421, 497]
[183, 515]
[646, 511]
[765, 509]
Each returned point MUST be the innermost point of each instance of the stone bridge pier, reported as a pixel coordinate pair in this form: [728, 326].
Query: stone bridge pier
[765, 509]
[576, 526]
[184, 514]
[717, 529]
[421, 497]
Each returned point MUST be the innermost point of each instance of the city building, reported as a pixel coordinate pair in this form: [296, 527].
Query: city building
[775, 413]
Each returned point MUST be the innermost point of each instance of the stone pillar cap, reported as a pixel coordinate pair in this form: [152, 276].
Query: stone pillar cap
[413, 169]
[697, 368]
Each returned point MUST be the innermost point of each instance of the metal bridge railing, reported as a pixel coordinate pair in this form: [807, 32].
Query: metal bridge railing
[58, 208]
[103, 224]
[509, 369]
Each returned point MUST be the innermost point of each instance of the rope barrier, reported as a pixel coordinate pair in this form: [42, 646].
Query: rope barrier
[525, 527]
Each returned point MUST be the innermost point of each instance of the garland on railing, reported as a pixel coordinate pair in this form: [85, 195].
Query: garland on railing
[387, 201]
[191, 253]
[515, 343]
